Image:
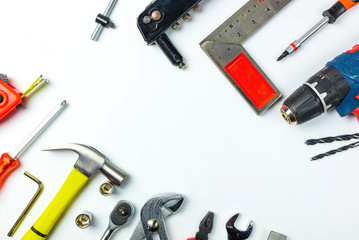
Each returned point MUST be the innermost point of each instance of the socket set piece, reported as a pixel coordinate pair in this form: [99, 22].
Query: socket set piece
[84, 219]
[29, 205]
[158, 17]
[106, 189]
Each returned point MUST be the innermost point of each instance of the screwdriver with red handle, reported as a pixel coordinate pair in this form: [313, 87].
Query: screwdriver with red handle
[329, 16]
[9, 162]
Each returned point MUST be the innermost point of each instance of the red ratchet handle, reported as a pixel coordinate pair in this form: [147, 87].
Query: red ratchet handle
[7, 165]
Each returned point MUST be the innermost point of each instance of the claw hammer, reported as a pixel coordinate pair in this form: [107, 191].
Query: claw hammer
[90, 162]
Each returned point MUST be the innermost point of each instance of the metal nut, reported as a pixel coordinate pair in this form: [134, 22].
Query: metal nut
[106, 189]
[186, 17]
[197, 8]
[84, 219]
[176, 26]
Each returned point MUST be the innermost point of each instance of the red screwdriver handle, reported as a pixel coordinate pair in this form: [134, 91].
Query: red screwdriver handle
[191, 238]
[7, 165]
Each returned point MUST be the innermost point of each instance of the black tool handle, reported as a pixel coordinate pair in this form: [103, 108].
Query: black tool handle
[338, 9]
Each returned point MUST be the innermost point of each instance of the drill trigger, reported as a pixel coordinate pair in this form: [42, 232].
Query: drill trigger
[356, 113]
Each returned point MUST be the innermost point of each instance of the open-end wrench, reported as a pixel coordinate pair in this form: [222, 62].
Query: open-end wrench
[236, 234]
[153, 215]
[119, 217]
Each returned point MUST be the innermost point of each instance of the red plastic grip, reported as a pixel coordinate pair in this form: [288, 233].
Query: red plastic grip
[191, 238]
[7, 165]
[10, 97]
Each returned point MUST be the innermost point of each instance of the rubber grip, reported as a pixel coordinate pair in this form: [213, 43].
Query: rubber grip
[7, 166]
[349, 3]
[69, 190]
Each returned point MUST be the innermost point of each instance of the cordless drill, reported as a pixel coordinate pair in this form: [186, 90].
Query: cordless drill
[335, 86]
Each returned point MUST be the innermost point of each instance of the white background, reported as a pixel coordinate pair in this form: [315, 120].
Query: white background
[185, 131]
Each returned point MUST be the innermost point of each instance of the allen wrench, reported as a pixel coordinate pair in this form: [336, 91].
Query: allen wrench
[29, 205]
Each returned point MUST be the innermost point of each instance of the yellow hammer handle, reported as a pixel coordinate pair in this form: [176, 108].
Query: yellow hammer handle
[72, 186]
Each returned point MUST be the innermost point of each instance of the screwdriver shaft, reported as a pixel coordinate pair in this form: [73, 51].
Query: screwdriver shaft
[313, 30]
[38, 130]
[298, 43]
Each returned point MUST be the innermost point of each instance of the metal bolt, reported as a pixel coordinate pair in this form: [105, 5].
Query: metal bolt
[197, 8]
[156, 15]
[84, 219]
[176, 26]
[153, 225]
[106, 189]
[186, 17]
[146, 19]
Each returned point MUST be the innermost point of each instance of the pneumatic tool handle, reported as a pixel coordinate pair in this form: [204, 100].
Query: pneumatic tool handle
[72, 186]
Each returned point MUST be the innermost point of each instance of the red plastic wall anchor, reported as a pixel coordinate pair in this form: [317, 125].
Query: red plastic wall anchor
[10, 97]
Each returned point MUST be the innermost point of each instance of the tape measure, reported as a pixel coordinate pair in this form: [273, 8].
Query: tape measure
[223, 47]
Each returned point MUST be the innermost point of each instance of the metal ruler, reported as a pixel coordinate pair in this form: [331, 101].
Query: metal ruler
[223, 47]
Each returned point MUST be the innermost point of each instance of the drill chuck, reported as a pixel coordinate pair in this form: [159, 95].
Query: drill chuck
[323, 91]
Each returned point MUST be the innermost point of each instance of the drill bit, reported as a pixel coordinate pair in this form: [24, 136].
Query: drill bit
[346, 137]
[332, 152]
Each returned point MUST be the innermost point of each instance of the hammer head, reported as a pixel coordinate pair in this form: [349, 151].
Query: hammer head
[91, 161]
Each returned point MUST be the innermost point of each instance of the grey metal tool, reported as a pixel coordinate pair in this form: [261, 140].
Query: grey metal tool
[340, 138]
[236, 234]
[153, 215]
[119, 217]
[276, 236]
[38, 130]
[335, 151]
[29, 205]
[103, 20]
[224, 47]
